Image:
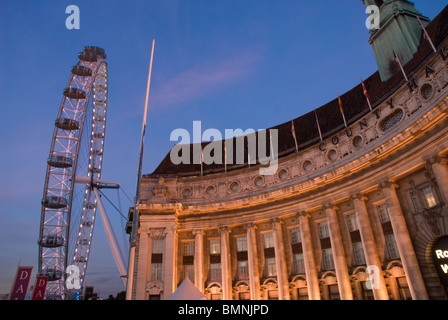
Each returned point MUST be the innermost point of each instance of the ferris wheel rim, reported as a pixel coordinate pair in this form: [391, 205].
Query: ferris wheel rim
[56, 215]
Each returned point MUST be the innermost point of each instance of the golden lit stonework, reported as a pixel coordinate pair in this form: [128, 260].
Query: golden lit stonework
[351, 216]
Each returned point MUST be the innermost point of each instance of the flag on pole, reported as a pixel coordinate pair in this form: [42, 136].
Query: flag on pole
[20, 285]
[39, 288]
[400, 66]
[318, 126]
[426, 35]
[293, 131]
[366, 94]
[342, 110]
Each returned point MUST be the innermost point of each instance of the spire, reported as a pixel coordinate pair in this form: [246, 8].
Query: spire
[399, 31]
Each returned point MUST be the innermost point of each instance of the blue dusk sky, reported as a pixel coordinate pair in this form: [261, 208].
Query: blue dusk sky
[229, 64]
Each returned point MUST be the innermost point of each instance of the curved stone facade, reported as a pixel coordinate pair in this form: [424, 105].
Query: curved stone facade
[357, 209]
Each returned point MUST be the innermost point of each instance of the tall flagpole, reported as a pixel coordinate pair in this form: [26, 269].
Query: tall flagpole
[293, 131]
[400, 66]
[342, 110]
[425, 34]
[133, 241]
[366, 94]
[318, 126]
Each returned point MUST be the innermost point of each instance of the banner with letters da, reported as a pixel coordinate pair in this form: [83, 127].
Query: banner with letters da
[20, 284]
[39, 288]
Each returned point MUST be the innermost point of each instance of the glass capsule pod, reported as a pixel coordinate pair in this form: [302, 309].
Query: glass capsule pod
[54, 202]
[67, 124]
[60, 161]
[74, 93]
[51, 241]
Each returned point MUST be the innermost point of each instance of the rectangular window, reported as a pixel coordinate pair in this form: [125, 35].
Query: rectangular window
[241, 244]
[428, 197]
[298, 264]
[188, 248]
[156, 271]
[215, 246]
[157, 245]
[296, 236]
[383, 213]
[352, 222]
[323, 230]
[243, 270]
[358, 254]
[327, 259]
[270, 267]
[268, 240]
[391, 247]
[215, 272]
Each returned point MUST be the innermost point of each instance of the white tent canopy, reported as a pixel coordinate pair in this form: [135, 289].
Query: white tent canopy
[187, 291]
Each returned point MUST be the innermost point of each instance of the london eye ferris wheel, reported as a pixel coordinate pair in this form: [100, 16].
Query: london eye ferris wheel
[68, 207]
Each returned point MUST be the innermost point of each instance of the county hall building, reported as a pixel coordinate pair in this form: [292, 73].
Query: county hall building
[356, 205]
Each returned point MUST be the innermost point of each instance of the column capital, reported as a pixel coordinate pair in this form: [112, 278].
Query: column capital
[330, 206]
[387, 184]
[437, 159]
[275, 220]
[250, 225]
[198, 231]
[157, 233]
[224, 229]
[358, 196]
[303, 214]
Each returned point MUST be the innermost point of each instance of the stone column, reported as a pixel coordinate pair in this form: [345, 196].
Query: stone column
[199, 259]
[252, 257]
[312, 278]
[404, 242]
[280, 260]
[440, 168]
[337, 248]
[368, 244]
[170, 262]
[144, 260]
[225, 264]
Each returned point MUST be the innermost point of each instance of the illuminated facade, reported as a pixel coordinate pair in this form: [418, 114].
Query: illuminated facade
[369, 196]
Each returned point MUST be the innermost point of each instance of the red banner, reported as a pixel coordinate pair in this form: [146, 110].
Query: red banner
[20, 285]
[39, 288]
